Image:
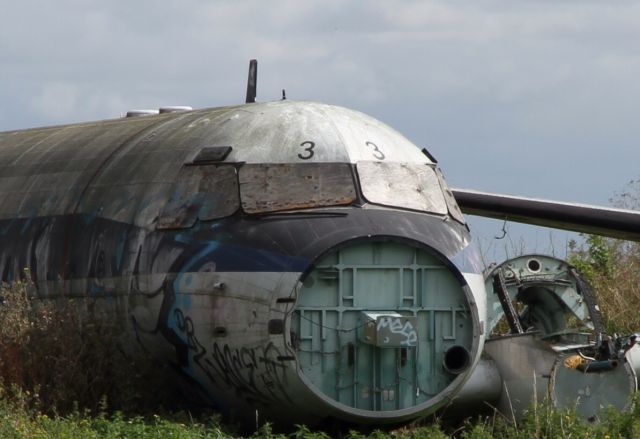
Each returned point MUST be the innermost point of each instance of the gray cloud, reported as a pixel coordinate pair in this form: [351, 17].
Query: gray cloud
[530, 97]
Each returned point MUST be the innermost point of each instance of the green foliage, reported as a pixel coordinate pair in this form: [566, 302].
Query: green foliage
[57, 355]
[15, 422]
[542, 422]
[429, 431]
[612, 267]
[303, 432]
[594, 260]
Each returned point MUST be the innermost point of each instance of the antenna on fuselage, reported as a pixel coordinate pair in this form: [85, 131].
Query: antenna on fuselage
[252, 81]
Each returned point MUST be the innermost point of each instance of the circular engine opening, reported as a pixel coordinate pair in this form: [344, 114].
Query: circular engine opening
[534, 265]
[375, 327]
[456, 359]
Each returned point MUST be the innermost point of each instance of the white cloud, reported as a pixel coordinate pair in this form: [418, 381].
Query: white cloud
[489, 84]
[56, 101]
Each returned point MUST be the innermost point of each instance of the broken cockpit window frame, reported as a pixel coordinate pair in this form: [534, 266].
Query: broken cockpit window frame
[404, 185]
[273, 187]
[201, 192]
[452, 204]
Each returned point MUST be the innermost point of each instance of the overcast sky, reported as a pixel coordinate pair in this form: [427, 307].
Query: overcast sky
[536, 98]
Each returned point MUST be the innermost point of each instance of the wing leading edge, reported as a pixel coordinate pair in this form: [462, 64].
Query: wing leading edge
[597, 220]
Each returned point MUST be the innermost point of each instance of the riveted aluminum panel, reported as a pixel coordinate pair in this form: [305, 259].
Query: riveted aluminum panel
[204, 192]
[407, 185]
[274, 187]
[297, 132]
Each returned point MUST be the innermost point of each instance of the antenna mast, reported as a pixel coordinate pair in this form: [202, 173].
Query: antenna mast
[252, 81]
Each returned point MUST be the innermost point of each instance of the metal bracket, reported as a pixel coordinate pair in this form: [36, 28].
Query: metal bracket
[500, 288]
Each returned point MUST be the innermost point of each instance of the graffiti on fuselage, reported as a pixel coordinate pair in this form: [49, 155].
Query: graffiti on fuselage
[253, 372]
[257, 374]
[122, 267]
[401, 327]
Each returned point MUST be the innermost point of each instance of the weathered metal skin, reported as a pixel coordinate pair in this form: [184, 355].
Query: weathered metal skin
[559, 353]
[102, 211]
[597, 220]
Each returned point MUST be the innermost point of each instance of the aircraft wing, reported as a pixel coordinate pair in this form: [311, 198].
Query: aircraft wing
[597, 220]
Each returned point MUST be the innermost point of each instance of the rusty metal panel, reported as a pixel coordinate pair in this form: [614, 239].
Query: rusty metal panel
[276, 187]
[405, 185]
[204, 192]
[220, 184]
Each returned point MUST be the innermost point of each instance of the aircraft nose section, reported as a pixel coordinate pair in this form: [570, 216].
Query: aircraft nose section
[383, 331]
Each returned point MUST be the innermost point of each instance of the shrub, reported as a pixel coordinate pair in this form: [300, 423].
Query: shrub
[61, 355]
[612, 266]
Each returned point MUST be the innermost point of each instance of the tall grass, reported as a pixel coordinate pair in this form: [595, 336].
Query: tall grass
[58, 356]
[63, 374]
[17, 421]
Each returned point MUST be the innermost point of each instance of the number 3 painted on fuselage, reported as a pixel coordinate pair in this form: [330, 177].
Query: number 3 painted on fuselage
[376, 151]
[309, 149]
